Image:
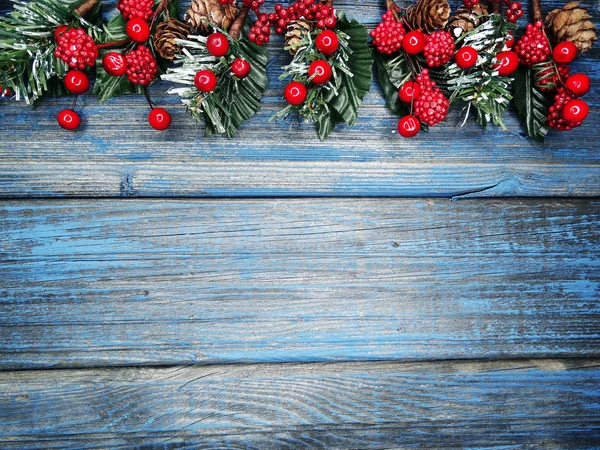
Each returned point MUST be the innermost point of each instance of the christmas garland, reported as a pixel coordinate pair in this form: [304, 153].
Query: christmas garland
[427, 60]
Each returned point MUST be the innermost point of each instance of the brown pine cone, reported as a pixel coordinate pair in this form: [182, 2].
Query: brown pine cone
[296, 33]
[428, 15]
[466, 19]
[203, 12]
[571, 23]
[165, 35]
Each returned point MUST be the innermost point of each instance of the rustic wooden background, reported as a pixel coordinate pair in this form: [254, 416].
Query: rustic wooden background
[165, 290]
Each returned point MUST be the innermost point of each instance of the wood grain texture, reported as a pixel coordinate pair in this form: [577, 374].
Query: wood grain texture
[106, 282]
[550, 404]
[117, 154]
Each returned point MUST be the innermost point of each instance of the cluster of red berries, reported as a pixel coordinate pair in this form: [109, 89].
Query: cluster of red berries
[75, 47]
[439, 48]
[135, 8]
[556, 113]
[253, 4]
[470, 3]
[514, 11]
[547, 80]
[260, 31]
[322, 15]
[388, 35]
[141, 66]
[533, 47]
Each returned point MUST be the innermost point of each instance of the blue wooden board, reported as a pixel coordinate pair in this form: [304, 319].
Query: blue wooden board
[117, 154]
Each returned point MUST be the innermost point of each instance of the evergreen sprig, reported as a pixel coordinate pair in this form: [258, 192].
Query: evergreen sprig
[337, 100]
[234, 100]
[27, 62]
[481, 88]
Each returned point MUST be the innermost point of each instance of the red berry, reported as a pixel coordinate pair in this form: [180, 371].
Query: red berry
[240, 68]
[508, 62]
[510, 40]
[76, 48]
[327, 42]
[141, 66]
[217, 44]
[77, 82]
[159, 119]
[295, 93]
[137, 29]
[533, 47]
[135, 8]
[205, 80]
[60, 31]
[226, 2]
[414, 42]
[466, 57]
[114, 64]
[387, 37]
[578, 84]
[575, 111]
[555, 117]
[409, 126]
[439, 48]
[564, 52]
[409, 91]
[470, 3]
[68, 119]
[319, 71]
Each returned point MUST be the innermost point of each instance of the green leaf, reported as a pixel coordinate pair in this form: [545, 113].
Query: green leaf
[392, 72]
[531, 104]
[107, 86]
[353, 89]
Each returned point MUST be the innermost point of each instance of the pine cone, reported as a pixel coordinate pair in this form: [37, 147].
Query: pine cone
[571, 23]
[165, 35]
[428, 15]
[466, 19]
[296, 33]
[201, 12]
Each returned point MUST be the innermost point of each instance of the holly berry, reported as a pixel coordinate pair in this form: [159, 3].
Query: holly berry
[319, 71]
[58, 33]
[439, 48]
[533, 47]
[260, 31]
[77, 82]
[564, 52]
[466, 57]
[327, 42]
[575, 110]
[508, 62]
[114, 64]
[135, 8]
[514, 11]
[240, 68]
[510, 40]
[409, 126]
[68, 119]
[141, 66]
[159, 119]
[388, 35]
[414, 42]
[76, 48]
[295, 93]
[409, 91]
[138, 29]
[555, 117]
[205, 80]
[578, 84]
[217, 44]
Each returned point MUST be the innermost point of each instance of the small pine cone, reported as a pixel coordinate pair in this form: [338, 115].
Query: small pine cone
[204, 12]
[555, 119]
[165, 35]
[428, 15]
[571, 23]
[296, 33]
[466, 19]
[439, 48]
[533, 47]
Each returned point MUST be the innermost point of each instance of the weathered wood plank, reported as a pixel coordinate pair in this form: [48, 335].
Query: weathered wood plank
[117, 154]
[105, 282]
[551, 404]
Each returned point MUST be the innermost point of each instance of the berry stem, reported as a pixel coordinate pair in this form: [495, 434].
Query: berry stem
[394, 8]
[162, 6]
[85, 8]
[536, 7]
[236, 27]
[74, 103]
[113, 44]
[148, 97]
